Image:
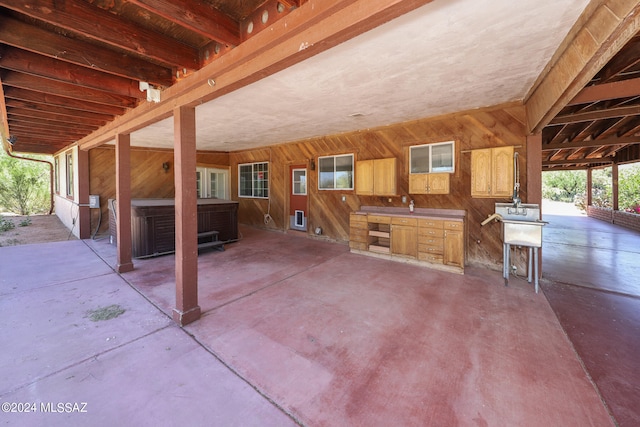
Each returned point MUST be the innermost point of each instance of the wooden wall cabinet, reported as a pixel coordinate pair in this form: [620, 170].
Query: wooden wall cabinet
[492, 172]
[377, 177]
[429, 183]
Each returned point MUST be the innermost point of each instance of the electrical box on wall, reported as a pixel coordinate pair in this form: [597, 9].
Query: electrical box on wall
[94, 201]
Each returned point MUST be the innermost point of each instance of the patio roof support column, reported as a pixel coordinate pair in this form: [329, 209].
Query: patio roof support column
[84, 216]
[534, 168]
[123, 202]
[614, 187]
[589, 187]
[184, 131]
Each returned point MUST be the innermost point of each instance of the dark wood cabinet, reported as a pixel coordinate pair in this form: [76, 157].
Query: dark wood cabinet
[153, 224]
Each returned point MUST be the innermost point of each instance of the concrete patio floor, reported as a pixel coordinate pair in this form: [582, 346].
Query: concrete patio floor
[294, 331]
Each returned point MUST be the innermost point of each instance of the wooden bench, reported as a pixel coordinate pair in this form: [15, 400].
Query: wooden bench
[209, 239]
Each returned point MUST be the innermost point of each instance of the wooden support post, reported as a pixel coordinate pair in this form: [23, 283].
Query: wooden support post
[614, 187]
[84, 215]
[589, 188]
[184, 130]
[534, 168]
[123, 202]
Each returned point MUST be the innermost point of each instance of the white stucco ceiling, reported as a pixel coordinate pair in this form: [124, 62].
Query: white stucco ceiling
[447, 56]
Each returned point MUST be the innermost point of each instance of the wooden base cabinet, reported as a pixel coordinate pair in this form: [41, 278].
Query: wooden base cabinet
[425, 240]
[404, 239]
[431, 241]
[358, 232]
[454, 243]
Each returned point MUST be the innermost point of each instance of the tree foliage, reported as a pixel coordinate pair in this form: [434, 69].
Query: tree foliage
[629, 187]
[24, 185]
[571, 186]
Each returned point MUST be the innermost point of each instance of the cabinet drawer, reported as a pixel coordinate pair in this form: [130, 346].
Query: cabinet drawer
[360, 235]
[435, 259]
[430, 232]
[378, 219]
[359, 225]
[430, 223]
[404, 221]
[453, 225]
[431, 241]
[357, 219]
[433, 250]
[360, 246]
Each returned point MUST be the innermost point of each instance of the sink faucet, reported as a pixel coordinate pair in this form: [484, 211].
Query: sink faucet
[516, 181]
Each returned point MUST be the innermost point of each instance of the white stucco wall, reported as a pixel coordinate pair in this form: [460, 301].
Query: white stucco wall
[66, 207]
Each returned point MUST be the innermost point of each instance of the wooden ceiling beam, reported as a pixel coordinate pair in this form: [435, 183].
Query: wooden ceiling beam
[33, 122]
[48, 133]
[31, 38]
[25, 112]
[43, 66]
[35, 136]
[576, 161]
[589, 116]
[602, 30]
[83, 18]
[78, 114]
[625, 140]
[628, 57]
[199, 17]
[38, 147]
[67, 90]
[606, 91]
[60, 101]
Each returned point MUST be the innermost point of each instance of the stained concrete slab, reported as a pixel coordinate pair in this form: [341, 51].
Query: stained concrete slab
[333, 338]
[138, 368]
[49, 328]
[164, 378]
[362, 341]
[26, 266]
[591, 281]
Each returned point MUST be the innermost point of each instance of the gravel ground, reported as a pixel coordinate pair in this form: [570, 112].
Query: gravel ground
[33, 229]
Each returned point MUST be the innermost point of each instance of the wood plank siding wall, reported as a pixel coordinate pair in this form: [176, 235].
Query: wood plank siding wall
[493, 127]
[148, 178]
[503, 126]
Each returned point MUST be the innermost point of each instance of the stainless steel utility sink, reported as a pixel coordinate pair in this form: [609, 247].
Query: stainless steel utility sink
[522, 233]
[521, 224]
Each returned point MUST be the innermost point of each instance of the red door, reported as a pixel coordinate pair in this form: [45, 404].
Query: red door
[298, 197]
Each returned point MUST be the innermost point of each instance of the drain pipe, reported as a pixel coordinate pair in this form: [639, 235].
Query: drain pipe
[41, 161]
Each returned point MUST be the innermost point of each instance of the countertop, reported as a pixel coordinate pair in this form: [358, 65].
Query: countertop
[427, 213]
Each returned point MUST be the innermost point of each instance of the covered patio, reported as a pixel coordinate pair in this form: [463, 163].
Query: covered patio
[300, 331]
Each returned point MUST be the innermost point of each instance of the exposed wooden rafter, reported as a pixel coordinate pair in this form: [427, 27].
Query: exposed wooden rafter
[90, 21]
[593, 143]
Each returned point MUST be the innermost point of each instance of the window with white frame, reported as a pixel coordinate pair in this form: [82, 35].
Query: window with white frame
[253, 180]
[335, 172]
[432, 158]
[69, 164]
[299, 182]
[212, 183]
